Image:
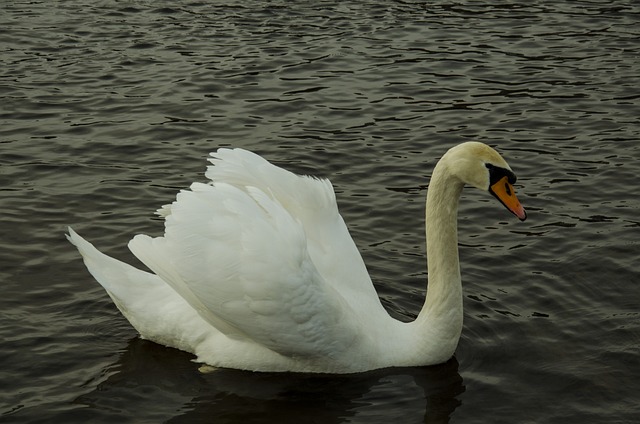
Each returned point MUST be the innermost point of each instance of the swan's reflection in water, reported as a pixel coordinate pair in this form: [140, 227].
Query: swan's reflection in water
[150, 379]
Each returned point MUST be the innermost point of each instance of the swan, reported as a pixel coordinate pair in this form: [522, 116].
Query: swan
[257, 271]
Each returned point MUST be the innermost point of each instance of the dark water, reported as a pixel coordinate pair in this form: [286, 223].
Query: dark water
[108, 108]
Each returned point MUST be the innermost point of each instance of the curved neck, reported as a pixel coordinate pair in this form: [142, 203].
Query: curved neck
[441, 223]
[440, 320]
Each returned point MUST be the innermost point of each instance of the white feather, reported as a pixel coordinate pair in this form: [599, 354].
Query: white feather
[257, 270]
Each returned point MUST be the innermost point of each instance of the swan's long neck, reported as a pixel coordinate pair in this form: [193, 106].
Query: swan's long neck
[439, 324]
[444, 289]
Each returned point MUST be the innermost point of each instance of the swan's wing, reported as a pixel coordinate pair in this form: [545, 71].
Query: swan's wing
[312, 202]
[241, 260]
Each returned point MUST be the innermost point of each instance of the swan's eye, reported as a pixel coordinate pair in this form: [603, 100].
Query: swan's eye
[507, 188]
[496, 174]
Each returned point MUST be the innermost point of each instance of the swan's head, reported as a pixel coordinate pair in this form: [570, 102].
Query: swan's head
[481, 166]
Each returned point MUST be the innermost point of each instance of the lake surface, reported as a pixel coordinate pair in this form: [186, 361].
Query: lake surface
[109, 108]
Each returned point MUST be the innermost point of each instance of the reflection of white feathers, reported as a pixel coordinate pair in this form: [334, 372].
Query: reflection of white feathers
[257, 270]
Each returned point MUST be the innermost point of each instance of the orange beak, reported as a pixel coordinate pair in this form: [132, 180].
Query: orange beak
[503, 191]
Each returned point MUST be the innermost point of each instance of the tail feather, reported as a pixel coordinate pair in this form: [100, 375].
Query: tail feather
[154, 309]
[118, 278]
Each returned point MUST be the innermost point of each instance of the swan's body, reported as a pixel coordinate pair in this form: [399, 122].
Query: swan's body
[257, 271]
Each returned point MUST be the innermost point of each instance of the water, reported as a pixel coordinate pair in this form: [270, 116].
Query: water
[108, 108]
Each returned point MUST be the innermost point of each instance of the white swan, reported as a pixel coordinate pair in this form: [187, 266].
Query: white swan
[257, 271]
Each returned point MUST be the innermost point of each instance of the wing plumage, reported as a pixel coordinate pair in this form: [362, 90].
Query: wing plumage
[240, 258]
[257, 263]
[312, 202]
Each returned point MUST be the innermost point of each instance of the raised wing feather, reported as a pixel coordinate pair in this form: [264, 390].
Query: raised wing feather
[312, 203]
[240, 258]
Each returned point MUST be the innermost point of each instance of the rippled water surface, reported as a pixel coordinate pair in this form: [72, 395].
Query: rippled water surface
[109, 107]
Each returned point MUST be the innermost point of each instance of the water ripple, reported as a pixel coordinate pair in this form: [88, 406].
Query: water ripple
[109, 109]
